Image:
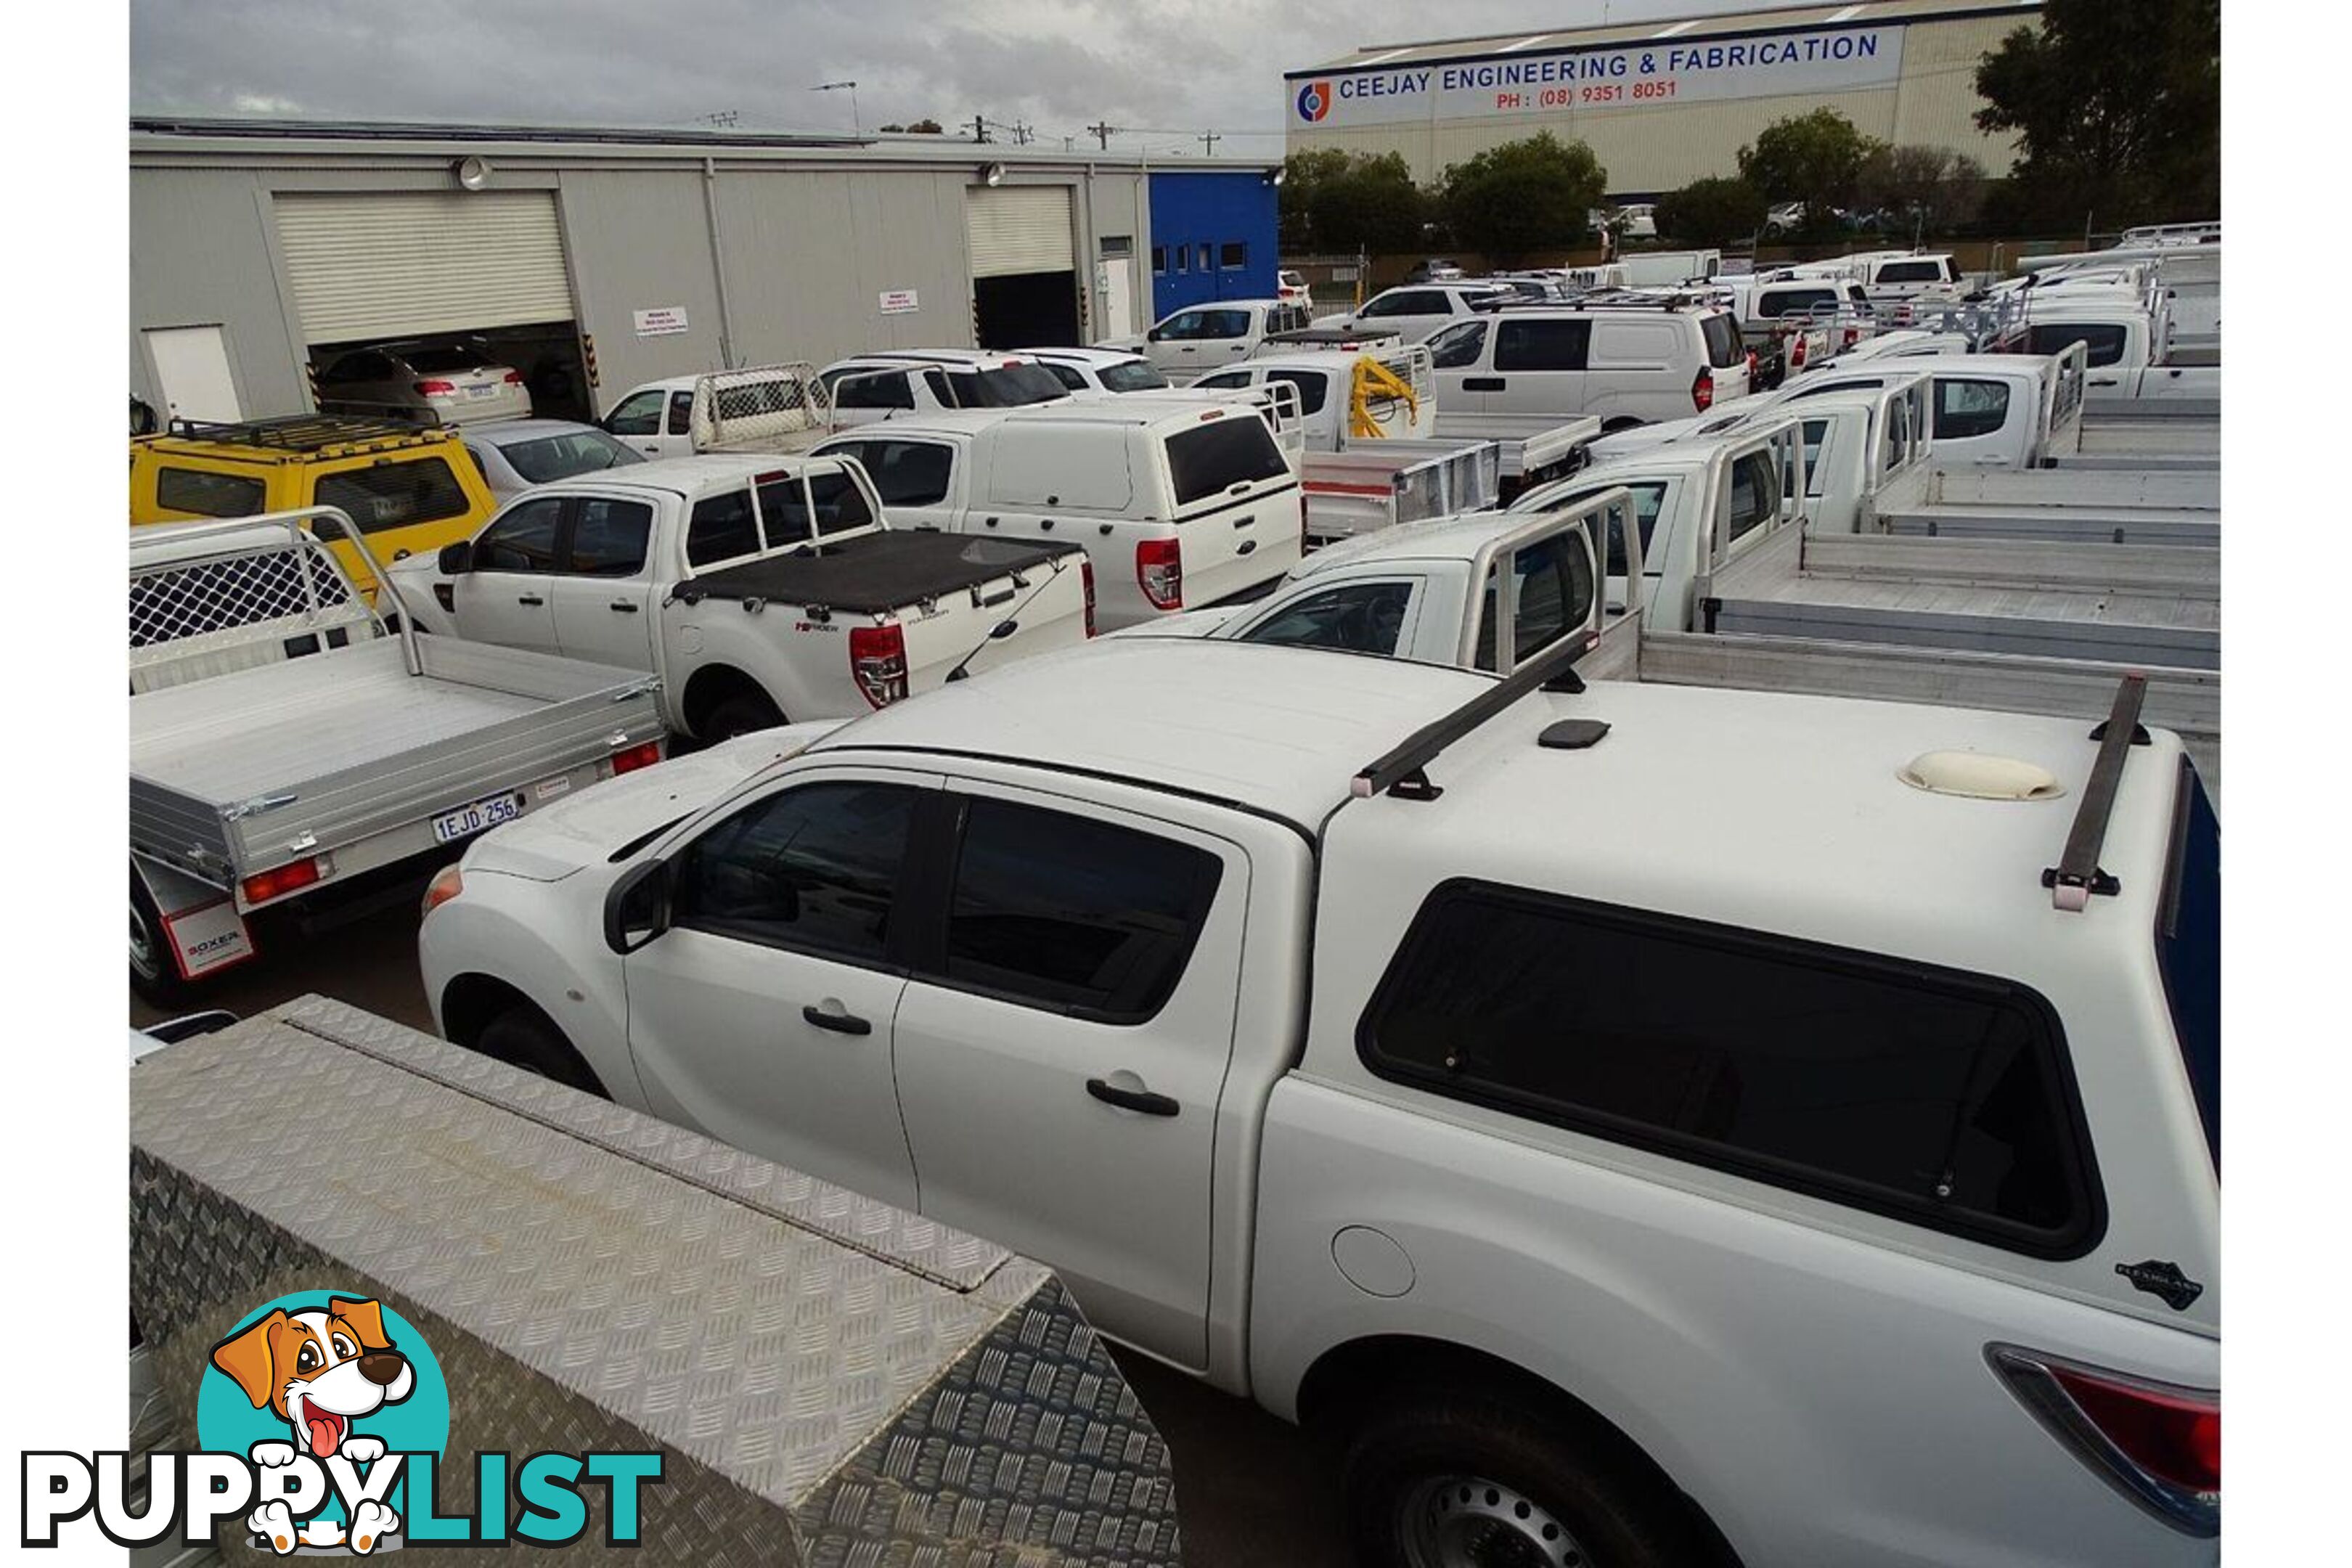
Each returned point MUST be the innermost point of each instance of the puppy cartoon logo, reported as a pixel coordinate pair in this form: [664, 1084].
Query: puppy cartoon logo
[319, 1370]
[1314, 101]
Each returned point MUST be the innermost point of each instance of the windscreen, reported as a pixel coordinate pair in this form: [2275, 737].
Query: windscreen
[1006, 386]
[1134, 375]
[446, 360]
[574, 452]
[1725, 347]
[1209, 459]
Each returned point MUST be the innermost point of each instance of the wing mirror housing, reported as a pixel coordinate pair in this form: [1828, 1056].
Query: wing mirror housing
[455, 559]
[1154, 335]
[637, 910]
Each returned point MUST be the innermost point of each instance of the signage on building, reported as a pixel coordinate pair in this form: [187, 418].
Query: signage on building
[1568, 83]
[898, 301]
[661, 321]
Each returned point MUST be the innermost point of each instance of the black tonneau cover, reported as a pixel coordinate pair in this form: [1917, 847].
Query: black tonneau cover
[885, 569]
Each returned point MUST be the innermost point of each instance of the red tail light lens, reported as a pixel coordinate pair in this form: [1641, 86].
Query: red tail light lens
[446, 884]
[512, 378]
[1752, 366]
[1703, 390]
[278, 881]
[639, 756]
[1159, 572]
[878, 657]
[1853, 336]
[1087, 581]
[436, 388]
[1797, 350]
[2157, 1443]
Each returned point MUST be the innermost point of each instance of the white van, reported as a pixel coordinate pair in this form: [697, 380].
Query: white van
[1626, 362]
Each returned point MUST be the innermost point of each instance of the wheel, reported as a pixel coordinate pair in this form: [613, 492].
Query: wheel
[1474, 1479]
[738, 715]
[153, 975]
[522, 1038]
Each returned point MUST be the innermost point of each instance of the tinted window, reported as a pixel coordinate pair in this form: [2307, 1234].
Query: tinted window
[1232, 254]
[905, 473]
[1936, 1097]
[2189, 949]
[1911, 272]
[395, 495]
[208, 494]
[1208, 459]
[1541, 345]
[811, 869]
[521, 540]
[1132, 375]
[1648, 498]
[1360, 617]
[1555, 589]
[1965, 408]
[869, 388]
[1311, 387]
[681, 412]
[574, 452]
[721, 528]
[608, 537]
[1408, 303]
[1073, 914]
[1067, 377]
[1794, 302]
[1755, 493]
[638, 415]
[1181, 327]
[1007, 386]
[1222, 324]
[1724, 345]
[840, 506]
[1458, 345]
[2105, 342]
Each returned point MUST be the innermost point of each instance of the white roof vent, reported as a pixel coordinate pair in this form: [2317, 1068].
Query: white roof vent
[1979, 777]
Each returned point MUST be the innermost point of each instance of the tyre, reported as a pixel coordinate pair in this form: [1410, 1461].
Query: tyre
[1465, 1477]
[738, 715]
[153, 975]
[522, 1038]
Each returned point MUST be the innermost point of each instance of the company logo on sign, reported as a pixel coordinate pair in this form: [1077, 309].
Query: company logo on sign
[1314, 100]
[323, 1418]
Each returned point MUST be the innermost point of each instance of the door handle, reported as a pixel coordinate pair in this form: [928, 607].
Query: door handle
[1141, 1099]
[530, 599]
[623, 606]
[833, 1016]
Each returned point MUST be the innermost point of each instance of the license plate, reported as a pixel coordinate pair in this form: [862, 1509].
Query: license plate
[481, 391]
[480, 816]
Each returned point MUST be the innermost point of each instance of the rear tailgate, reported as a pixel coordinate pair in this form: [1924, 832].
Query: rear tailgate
[1043, 603]
[1237, 505]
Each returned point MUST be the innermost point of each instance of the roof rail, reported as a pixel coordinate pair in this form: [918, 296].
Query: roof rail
[1399, 772]
[299, 432]
[2078, 876]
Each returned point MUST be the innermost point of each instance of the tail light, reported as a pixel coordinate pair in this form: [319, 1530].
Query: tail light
[1796, 352]
[1703, 390]
[1159, 572]
[437, 389]
[2157, 1443]
[639, 756]
[278, 881]
[878, 657]
[1853, 336]
[1752, 367]
[512, 378]
[1302, 520]
[1087, 581]
[445, 884]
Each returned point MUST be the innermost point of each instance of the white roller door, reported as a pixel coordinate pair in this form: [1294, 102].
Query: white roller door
[1019, 229]
[403, 264]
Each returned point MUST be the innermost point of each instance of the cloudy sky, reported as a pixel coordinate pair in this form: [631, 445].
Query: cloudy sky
[1166, 70]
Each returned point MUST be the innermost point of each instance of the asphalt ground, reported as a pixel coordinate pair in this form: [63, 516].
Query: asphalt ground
[1250, 1490]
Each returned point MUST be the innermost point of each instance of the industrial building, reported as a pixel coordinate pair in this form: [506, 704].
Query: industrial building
[1662, 102]
[596, 259]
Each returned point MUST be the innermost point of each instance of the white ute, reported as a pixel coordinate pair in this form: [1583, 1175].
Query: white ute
[1835, 1187]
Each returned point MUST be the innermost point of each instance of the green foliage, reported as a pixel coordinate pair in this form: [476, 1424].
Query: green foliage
[1334, 201]
[1524, 196]
[2118, 108]
[1816, 159]
[1926, 190]
[1711, 212]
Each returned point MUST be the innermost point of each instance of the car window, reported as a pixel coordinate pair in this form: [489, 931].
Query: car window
[721, 528]
[1072, 914]
[1066, 375]
[1225, 378]
[1407, 302]
[1813, 433]
[681, 412]
[609, 538]
[1794, 302]
[208, 494]
[1356, 617]
[1181, 327]
[1133, 375]
[2104, 341]
[1208, 459]
[521, 540]
[444, 361]
[640, 414]
[785, 506]
[574, 452]
[1458, 345]
[1970, 407]
[1005, 387]
[395, 495]
[1221, 325]
[1312, 388]
[1725, 348]
[1541, 345]
[869, 386]
[813, 868]
[1898, 435]
[1755, 493]
[905, 473]
[2189, 948]
[1555, 593]
[1940, 1097]
[1911, 272]
[1648, 498]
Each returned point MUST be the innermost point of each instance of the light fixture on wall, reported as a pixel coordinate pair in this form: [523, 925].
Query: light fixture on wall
[473, 173]
[992, 173]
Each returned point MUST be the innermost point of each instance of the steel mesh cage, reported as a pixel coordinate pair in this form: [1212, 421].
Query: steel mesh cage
[197, 597]
[740, 408]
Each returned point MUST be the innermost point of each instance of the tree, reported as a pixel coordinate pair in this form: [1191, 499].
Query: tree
[2118, 108]
[1339, 202]
[1304, 175]
[1816, 159]
[924, 128]
[1930, 190]
[1522, 197]
[1711, 212]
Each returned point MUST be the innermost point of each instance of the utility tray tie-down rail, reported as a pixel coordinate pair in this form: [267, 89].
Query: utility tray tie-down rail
[2078, 876]
[1400, 771]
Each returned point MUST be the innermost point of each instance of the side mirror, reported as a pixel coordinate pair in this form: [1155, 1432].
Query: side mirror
[1154, 335]
[455, 559]
[637, 910]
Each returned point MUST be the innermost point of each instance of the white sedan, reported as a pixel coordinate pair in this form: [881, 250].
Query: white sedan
[520, 453]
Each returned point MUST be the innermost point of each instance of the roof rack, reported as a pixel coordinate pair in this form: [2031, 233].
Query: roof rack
[1401, 771]
[2077, 876]
[297, 432]
[1598, 298]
